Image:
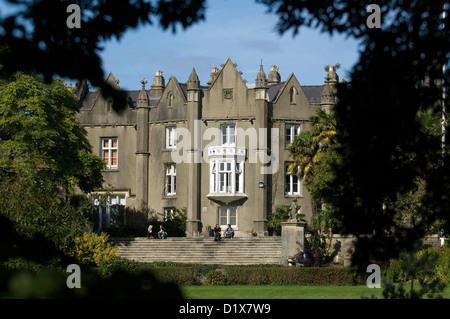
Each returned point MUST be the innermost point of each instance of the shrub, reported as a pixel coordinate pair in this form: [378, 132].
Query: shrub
[216, 278]
[395, 272]
[424, 266]
[281, 214]
[442, 270]
[114, 264]
[91, 248]
[179, 275]
[175, 225]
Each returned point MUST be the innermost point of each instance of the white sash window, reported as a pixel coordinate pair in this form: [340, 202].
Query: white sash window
[110, 149]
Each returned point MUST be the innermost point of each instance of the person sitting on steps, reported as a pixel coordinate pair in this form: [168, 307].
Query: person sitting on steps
[150, 232]
[162, 232]
[229, 232]
[217, 233]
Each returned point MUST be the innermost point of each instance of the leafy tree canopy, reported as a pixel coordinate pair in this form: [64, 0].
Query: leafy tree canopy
[40, 136]
[385, 150]
[37, 36]
[44, 157]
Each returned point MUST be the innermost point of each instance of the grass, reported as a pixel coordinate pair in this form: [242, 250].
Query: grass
[284, 292]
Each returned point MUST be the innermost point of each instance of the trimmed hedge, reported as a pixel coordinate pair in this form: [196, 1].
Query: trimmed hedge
[184, 274]
[293, 276]
[179, 275]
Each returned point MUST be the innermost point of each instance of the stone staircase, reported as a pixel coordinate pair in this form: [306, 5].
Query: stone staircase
[236, 251]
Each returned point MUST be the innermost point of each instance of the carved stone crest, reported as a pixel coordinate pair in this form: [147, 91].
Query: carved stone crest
[227, 94]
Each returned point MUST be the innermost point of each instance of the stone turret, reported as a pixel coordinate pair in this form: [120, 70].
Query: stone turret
[261, 122]
[142, 151]
[142, 100]
[274, 76]
[193, 222]
[332, 78]
[329, 91]
[261, 87]
[261, 80]
[158, 84]
[193, 87]
[193, 81]
[327, 97]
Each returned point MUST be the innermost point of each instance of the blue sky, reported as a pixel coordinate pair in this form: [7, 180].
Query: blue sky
[239, 29]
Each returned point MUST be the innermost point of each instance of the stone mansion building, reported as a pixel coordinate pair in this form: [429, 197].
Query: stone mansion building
[218, 150]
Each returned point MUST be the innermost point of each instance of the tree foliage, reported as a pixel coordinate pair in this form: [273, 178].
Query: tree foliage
[36, 37]
[279, 215]
[91, 248]
[44, 157]
[384, 149]
[40, 136]
[310, 148]
[417, 266]
[313, 152]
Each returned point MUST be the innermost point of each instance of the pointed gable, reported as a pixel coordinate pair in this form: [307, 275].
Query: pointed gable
[111, 80]
[95, 109]
[228, 95]
[229, 77]
[171, 105]
[289, 99]
[173, 94]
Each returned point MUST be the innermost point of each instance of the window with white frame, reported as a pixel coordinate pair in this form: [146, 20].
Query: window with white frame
[105, 214]
[171, 137]
[227, 176]
[110, 150]
[292, 185]
[171, 180]
[228, 135]
[227, 215]
[292, 130]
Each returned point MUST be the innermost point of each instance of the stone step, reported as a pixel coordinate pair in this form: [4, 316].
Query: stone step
[229, 248]
[198, 253]
[194, 241]
[199, 258]
[236, 257]
[214, 262]
[169, 257]
[236, 251]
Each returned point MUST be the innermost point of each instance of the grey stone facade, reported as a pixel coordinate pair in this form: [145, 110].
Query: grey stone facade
[220, 178]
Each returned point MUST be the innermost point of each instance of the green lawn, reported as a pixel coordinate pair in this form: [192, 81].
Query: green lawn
[283, 292]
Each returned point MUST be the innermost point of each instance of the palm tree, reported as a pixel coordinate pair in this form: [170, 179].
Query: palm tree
[324, 129]
[309, 148]
[302, 150]
[310, 151]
